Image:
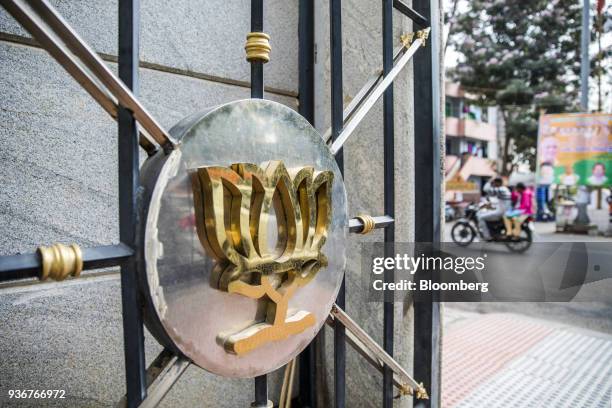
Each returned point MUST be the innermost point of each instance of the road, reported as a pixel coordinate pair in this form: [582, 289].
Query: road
[589, 315]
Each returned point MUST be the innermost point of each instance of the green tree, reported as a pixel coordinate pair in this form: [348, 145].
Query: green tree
[522, 56]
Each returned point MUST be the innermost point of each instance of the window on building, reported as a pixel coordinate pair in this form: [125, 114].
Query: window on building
[453, 107]
[472, 148]
[452, 147]
[474, 112]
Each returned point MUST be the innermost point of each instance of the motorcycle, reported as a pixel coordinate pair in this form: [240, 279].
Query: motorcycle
[449, 213]
[466, 230]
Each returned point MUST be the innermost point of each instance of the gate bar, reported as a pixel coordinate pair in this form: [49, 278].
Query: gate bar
[306, 99]
[389, 193]
[133, 332]
[257, 91]
[257, 73]
[367, 354]
[23, 266]
[163, 372]
[427, 79]
[164, 381]
[29, 265]
[335, 31]
[409, 12]
[383, 221]
[101, 71]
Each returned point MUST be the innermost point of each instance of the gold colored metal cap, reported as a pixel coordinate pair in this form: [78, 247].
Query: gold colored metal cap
[423, 35]
[258, 47]
[421, 392]
[60, 261]
[368, 223]
[405, 389]
[406, 39]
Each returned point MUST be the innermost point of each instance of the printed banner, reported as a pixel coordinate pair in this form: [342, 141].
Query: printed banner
[575, 149]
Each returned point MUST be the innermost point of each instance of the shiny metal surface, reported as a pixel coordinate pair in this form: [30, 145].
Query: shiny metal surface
[185, 310]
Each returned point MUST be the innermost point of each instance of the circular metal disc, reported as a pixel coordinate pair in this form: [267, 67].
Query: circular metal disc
[185, 310]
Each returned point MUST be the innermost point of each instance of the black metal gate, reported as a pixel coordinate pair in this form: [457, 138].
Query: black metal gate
[142, 390]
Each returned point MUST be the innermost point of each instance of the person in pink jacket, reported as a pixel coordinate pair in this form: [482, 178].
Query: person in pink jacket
[522, 198]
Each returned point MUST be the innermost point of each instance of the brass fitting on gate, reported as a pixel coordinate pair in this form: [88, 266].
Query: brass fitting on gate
[405, 389]
[406, 39]
[60, 261]
[421, 392]
[423, 35]
[368, 223]
[258, 47]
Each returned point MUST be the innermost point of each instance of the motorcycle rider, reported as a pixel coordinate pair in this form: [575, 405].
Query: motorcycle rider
[495, 189]
[523, 208]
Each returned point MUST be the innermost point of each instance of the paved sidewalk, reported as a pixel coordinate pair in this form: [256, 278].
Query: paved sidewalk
[507, 360]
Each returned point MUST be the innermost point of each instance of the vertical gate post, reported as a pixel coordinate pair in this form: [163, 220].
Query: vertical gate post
[257, 75]
[335, 13]
[257, 91]
[306, 96]
[428, 197]
[389, 194]
[133, 333]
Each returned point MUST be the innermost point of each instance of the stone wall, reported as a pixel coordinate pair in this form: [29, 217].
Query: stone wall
[59, 166]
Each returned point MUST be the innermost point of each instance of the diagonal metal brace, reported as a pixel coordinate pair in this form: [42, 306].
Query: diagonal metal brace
[163, 372]
[375, 89]
[367, 347]
[409, 12]
[365, 90]
[55, 35]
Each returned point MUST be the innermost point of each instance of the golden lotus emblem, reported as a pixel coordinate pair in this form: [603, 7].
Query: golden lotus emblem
[232, 207]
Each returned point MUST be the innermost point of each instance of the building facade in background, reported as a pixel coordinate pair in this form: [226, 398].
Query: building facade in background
[471, 144]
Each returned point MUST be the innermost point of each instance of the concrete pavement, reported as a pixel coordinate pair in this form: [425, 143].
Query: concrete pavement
[508, 360]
